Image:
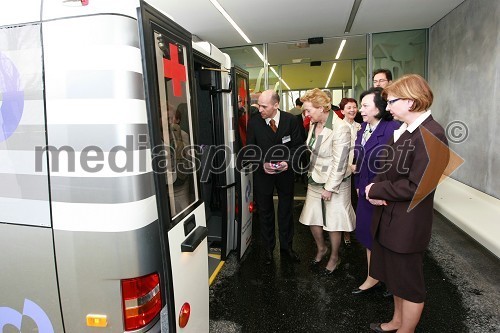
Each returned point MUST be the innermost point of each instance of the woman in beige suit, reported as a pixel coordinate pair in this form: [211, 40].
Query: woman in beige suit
[328, 200]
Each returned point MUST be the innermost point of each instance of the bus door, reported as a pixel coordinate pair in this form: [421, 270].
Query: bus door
[167, 66]
[29, 296]
[244, 180]
[217, 177]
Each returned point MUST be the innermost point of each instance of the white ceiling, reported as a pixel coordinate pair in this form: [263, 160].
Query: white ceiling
[266, 21]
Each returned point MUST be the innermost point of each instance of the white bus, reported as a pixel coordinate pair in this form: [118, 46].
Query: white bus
[109, 182]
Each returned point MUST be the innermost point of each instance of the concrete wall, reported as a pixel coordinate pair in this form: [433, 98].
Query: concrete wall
[464, 65]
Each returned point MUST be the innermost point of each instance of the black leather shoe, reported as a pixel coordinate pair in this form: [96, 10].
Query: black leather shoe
[290, 254]
[377, 327]
[268, 257]
[358, 291]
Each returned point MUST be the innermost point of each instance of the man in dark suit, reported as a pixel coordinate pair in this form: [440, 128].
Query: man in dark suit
[273, 139]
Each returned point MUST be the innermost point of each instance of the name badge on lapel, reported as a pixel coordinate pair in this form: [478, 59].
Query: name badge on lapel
[286, 139]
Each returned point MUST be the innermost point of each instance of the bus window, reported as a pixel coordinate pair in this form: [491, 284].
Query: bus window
[243, 112]
[176, 121]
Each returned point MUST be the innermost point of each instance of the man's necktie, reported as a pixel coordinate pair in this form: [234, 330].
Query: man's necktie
[272, 123]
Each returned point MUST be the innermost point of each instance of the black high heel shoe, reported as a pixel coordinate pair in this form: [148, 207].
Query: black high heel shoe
[358, 291]
[314, 262]
[327, 272]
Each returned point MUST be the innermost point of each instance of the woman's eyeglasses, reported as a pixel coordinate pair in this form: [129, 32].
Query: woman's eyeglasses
[392, 101]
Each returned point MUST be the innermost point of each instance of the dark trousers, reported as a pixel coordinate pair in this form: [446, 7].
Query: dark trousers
[264, 188]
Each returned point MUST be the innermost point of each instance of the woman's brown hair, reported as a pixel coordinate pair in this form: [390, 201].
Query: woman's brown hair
[412, 87]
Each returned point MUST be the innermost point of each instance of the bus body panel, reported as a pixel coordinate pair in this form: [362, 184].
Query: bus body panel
[96, 109]
[91, 265]
[229, 138]
[101, 223]
[19, 12]
[243, 175]
[104, 211]
[56, 9]
[245, 235]
[30, 298]
[182, 212]
[24, 194]
[214, 53]
[189, 273]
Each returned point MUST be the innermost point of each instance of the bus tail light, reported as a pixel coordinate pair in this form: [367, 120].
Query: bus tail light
[251, 207]
[141, 299]
[184, 315]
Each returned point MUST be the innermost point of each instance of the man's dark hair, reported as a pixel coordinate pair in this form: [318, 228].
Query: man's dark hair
[275, 97]
[387, 72]
[298, 102]
[380, 102]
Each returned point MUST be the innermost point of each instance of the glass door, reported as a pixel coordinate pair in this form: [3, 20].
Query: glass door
[168, 73]
[244, 180]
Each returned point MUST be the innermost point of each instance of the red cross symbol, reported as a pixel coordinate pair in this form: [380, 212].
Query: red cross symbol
[242, 92]
[174, 70]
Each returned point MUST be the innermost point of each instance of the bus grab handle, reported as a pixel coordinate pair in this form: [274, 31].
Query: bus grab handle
[225, 187]
[214, 91]
[191, 243]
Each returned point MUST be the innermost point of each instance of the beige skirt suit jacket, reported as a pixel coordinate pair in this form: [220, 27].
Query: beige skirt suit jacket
[329, 170]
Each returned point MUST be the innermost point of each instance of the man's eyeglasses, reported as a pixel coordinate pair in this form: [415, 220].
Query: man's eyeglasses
[392, 101]
[379, 81]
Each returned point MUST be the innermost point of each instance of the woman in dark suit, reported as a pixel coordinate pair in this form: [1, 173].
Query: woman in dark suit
[403, 195]
[377, 129]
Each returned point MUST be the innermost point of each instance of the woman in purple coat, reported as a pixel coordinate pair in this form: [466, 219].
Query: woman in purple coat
[376, 130]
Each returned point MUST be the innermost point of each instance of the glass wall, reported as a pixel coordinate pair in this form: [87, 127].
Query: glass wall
[359, 77]
[297, 66]
[402, 52]
[249, 59]
[305, 66]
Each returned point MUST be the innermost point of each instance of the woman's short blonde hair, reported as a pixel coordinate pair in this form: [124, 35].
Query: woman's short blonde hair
[413, 87]
[317, 98]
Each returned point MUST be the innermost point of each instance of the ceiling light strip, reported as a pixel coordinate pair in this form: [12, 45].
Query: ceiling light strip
[354, 12]
[330, 76]
[242, 34]
[279, 78]
[341, 47]
[256, 50]
[261, 56]
[230, 20]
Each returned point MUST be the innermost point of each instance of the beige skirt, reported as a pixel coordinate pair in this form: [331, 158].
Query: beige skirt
[339, 214]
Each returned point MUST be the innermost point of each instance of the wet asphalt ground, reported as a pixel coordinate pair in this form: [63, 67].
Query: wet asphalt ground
[462, 281]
